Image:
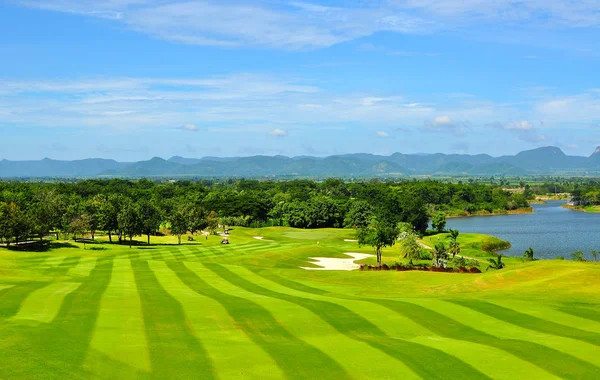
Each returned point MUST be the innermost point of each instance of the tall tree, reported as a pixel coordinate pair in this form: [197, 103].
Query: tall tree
[359, 214]
[439, 222]
[129, 221]
[378, 235]
[454, 247]
[410, 248]
[79, 225]
[179, 221]
[150, 218]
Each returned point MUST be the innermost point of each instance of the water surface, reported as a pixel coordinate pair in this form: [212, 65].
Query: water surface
[551, 231]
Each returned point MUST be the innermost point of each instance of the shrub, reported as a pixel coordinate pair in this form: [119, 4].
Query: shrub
[560, 257]
[577, 256]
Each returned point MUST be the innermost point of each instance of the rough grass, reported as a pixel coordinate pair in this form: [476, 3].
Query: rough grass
[245, 310]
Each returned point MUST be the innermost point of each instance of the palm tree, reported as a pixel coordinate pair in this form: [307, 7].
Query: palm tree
[440, 254]
[495, 263]
[528, 255]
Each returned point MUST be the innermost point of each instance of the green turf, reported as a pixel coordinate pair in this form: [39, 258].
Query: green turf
[246, 310]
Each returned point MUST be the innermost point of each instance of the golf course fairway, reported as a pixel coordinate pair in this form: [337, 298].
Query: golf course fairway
[203, 310]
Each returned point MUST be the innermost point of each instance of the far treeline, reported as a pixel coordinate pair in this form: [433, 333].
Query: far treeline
[123, 209]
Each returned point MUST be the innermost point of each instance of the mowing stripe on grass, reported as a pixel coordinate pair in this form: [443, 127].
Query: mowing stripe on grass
[186, 253]
[290, 353]
[53, 261]
[168, 255]
[355, 355]
[548, 313]
[78, 315]
[44, 304]
[177, 254]
[580, 311]
[233, 353]
[287, 283]
[500, 329]
[454, 330]
[490, 360]
[119, 332]
[2, 287]
[144, 254]
[346, 322]
[83, 267]
[530, 322]
[174, 350]
[134, 254]
[12, 297]
[557, 362]
[156, 255]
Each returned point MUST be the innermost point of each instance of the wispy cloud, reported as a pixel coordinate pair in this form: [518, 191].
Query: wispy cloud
[190, 127]
[305, 26]
[383, 135]
[278, 133]
[291, 26]
[445, 124]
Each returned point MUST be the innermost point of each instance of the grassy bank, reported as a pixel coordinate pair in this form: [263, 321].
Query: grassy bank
[245, 310]
[462, 214]
[593, 209]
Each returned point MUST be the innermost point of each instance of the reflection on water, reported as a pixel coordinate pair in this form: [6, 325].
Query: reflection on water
[551, 231]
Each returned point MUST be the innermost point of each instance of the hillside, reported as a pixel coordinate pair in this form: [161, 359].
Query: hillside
[545, 160]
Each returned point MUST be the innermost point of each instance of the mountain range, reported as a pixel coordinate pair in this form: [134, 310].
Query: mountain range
[545, 160]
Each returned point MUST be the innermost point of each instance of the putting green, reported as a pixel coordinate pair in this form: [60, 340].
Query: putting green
[246, 310]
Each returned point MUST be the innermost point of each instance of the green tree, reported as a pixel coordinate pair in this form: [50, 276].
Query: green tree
[577, 256]
[454, 247]
[378, 235]
[439, 222]
[129, 221]
[150, 218]
[197, 218]
[594, 255]
[495, 263]
[440, 255]
[410, 248]
[108, 212]
[179, 222]
[528, 255]
[359, 214]
[79, 225]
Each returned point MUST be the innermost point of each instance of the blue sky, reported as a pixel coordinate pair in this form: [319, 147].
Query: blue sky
[133, 79]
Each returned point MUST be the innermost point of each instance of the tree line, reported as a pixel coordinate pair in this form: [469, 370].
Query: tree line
[124, 209]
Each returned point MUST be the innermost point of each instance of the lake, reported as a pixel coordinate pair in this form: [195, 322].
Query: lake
[551, 231]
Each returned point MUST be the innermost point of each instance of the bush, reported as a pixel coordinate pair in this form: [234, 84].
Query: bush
[560, 257]
[577, 256]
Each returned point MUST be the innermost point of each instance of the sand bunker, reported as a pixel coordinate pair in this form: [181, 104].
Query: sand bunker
[351, 240]
[258, 237]
[328, 263]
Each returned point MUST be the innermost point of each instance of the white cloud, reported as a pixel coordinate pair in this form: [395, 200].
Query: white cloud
[443, 121]
[518, 125]
[383, 135]
[278, 133]
[291, 26]
[190, 127]
[303, 26]
[371, 101]
[445, 124]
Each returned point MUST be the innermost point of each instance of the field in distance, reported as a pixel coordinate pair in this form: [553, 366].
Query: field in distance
[247, 310]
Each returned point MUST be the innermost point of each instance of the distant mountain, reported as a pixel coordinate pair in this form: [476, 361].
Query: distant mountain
[52, 168]
[545, 160]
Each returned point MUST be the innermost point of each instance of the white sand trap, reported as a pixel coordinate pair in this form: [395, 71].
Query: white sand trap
[351, 240]
[328, 263]
[258, 237]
